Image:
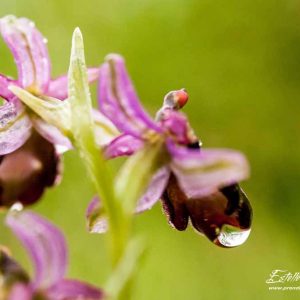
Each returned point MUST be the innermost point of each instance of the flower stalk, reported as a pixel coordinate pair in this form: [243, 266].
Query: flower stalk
[132, 179]
[82, 127]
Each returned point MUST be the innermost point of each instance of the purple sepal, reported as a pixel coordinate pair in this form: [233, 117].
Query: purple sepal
[5, 93]
[155, 190]
[200, 173]
[74, 289]
[29, 49]
[15, 127]
[118, 100]
[124, 144]
[44, 243]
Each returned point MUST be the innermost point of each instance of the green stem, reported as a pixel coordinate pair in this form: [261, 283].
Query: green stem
[84, 139]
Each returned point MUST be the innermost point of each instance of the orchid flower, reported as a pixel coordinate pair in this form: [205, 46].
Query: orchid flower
[47, 249]
[194, 184]
[30, 148]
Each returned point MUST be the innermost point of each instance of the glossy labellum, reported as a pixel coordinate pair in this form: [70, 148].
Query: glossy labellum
[224, 217]
[26, 172]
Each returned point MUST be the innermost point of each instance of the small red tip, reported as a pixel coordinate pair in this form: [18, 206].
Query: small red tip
[181, 97]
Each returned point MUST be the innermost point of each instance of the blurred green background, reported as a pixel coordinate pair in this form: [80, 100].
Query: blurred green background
[240, 62]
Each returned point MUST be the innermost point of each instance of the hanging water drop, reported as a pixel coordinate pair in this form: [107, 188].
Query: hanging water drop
[224, 217]
[231, 236]
[16, 207]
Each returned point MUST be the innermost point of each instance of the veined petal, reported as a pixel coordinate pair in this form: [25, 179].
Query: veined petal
[124, 144]
[58, 87]
[118, 100]
[44, 243]
[154, 191]
[201, 173]
[15, 127]
[68, 289]
[29, 49]
[5, 82]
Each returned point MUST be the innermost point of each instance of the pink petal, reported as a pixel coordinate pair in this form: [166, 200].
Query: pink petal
[118, 100]
[44, 243]
[74, 290]
[5, 93]
[58, 87]
[201, 173]
[15, 127]
[21, 292]
[124, 144]
[155, 190]
[29, 49]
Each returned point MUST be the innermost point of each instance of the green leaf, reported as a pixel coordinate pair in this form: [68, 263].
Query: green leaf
[82, 127]
[82, 124]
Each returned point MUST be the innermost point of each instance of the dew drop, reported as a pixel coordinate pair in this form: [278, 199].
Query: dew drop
[16, 207]
[231, 236]
[223, 217]
[45, 41]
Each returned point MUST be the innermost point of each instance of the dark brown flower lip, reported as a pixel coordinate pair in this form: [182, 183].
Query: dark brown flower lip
[26, 172]
[213, 215]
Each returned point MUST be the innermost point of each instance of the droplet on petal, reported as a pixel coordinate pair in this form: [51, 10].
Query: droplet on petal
[231, 236]
[224, 217]
[17, 207]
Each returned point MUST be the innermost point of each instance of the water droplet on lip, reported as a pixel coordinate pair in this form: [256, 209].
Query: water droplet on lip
[231, 236]
[224, 217]
[16, 207]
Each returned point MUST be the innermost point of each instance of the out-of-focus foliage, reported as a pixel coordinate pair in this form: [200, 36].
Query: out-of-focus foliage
[240, 62]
